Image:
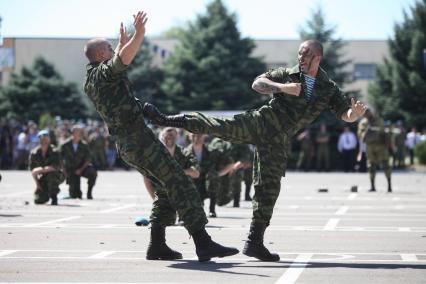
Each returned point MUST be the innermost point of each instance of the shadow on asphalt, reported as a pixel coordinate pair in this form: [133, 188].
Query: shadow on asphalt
[211, 266]
[288, 264]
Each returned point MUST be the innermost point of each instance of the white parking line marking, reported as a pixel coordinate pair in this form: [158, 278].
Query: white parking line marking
[409, 257]
[52, 221]
[295, 270]
[7, 252]
[102, 254]
[399, 207]
[352, 196]
[342, 210]
[331, 224]
[118, 208]
[404, 229]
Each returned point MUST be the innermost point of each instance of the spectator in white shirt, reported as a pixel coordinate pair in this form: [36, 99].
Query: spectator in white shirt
[413, 137]
[347, 145]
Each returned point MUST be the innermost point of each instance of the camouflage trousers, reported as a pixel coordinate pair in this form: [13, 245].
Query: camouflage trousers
[229, 187]
[49, 186]
[140, 148]
[377, 156]
[261, 128]
[74, 181]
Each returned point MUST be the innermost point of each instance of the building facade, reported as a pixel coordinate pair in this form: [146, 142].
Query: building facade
[66, 54]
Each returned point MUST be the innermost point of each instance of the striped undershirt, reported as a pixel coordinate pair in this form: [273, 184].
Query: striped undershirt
[310, 82]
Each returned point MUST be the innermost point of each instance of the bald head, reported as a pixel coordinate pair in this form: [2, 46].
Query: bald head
[315, 46]
[98, 49]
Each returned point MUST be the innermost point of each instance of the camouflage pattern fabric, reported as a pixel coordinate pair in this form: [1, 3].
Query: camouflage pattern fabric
[270, 128]
[162, 211]
[75, 160]
[372, 132]
[49, 181]
[108, 87]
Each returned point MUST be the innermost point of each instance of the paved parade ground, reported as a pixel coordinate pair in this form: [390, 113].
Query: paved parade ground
[333, 237]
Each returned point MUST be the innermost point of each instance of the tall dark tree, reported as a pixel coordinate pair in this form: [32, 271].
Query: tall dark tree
[212, 68]
[398, 92]
[38, 90]
[145, 77]
[332, 62]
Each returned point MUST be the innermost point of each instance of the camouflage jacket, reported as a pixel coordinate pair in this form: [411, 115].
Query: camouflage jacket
[185, 159]
[295, 112]
[109, 88]
[52, 158]
[210, 162]
[74, 160]
[372, 132]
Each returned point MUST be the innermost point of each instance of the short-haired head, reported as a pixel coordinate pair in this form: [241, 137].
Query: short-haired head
[98, 50]
[315, 46]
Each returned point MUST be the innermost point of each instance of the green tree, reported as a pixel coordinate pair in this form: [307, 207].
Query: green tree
[398, 91]
[332, 62]
[145, 77]
[212, 68]
[40, 89]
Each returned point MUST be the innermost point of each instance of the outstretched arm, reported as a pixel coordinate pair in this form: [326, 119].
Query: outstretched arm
[265, 86]
[356, 110]
[129, 50]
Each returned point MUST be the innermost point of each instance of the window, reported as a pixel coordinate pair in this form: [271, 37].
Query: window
[364, 71]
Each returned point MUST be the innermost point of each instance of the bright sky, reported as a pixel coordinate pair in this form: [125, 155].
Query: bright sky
[264, 19]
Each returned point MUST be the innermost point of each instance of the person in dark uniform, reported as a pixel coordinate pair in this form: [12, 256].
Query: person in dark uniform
[77, 159]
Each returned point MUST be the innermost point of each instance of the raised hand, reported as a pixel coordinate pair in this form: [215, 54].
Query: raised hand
[358, 108]
[139, 21]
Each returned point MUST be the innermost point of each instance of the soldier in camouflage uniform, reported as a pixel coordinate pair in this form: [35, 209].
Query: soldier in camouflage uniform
[162, 210]
[399, 135]
[98, 145]
[212, 165]
[323, 149]
[108, 87]
[300, 94]
[230, 186]
[77, 159]
[45, 166]
[371, 131]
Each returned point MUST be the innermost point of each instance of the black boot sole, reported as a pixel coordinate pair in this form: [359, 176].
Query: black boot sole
[252, 253]
[163, 257]
[260, 258]
[220, 255]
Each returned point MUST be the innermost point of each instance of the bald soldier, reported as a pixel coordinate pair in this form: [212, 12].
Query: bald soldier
[300, 94]
[108, 87]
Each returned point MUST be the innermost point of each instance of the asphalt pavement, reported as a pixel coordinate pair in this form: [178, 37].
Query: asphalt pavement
[337, 236]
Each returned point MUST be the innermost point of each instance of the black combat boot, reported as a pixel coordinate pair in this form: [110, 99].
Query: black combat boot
[89, 192]
[254, 245]
[90, 186]
[212, 207]
[151, 112]
[236, 200]
[206, 248]
[54, 200]
[157, 248]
